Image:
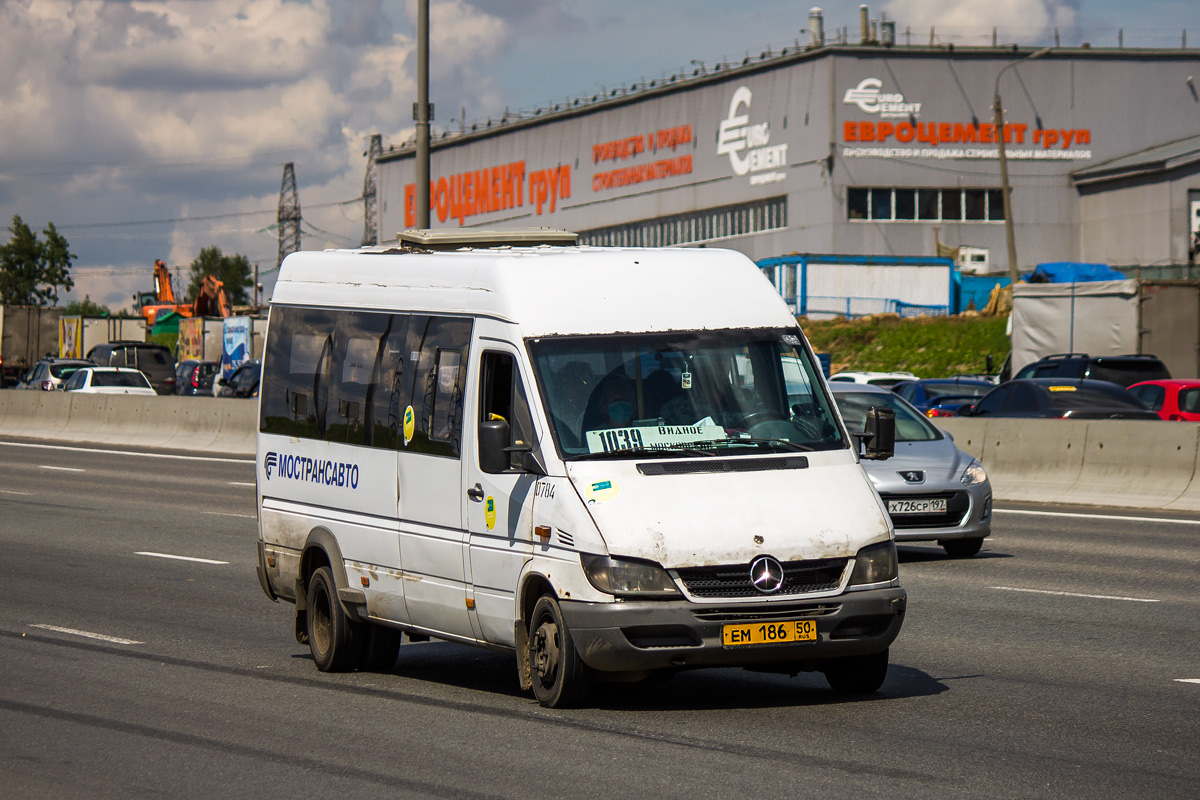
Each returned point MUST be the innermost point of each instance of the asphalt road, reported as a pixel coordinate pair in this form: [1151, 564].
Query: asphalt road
[1055, 664]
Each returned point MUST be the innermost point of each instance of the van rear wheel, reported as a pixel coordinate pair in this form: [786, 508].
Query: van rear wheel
[560, 678]
[331, 634]
[857, 674]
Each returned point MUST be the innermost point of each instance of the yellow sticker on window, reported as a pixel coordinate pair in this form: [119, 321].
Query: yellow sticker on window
[1061, 388]
[410, 424]
[489, 512]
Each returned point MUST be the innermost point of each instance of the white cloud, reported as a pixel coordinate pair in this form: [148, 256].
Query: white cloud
[972, 18]
[125, 111]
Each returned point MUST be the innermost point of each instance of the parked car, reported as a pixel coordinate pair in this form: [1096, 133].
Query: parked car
[49, 373]
[873, 378]
[109, 380]
[942, 397]
[1174, 399]
[932, 490]
[243, 382]
[1122, 370]
[154, 360]
[1059, 397]
[194, 377]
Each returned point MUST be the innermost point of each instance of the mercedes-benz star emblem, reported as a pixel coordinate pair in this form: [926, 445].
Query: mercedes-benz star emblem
[766, 574]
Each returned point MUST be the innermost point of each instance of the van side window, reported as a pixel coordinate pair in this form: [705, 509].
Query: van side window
[437, 354]
[502, 394]
[348, 376]
[296, 368]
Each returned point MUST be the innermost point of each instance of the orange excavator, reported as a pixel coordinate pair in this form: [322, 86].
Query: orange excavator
[210, 301]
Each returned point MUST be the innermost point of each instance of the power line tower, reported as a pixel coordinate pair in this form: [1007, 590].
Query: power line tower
[370, 224]
[289, 213]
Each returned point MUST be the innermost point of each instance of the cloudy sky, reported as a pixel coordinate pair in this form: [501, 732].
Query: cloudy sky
[149, 130]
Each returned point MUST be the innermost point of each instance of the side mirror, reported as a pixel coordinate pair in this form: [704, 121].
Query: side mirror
[494, 436]
[966, 410]
[880, 430]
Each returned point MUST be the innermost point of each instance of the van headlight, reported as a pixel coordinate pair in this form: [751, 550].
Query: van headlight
[875, 564]
[626, 578]
[974, 473]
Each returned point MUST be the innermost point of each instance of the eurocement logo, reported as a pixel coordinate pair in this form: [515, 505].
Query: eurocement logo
[868, 97]
[749, 145]
[310, 470]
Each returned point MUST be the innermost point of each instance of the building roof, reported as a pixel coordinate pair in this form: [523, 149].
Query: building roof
[1151, 160]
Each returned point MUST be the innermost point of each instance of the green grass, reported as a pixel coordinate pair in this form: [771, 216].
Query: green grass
[930, 347]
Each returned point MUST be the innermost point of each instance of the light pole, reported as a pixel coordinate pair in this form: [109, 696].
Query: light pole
[422, 114]
[1007, 194]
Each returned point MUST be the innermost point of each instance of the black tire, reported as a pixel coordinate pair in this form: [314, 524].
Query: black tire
[380, 647]
[961, 548]
[560, 678]
[857, 674]
[331, 634]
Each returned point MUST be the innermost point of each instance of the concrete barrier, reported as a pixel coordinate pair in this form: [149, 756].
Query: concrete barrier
[200, 424]
[1104, 462]
[1120, 463]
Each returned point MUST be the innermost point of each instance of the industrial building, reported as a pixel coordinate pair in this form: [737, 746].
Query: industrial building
[870, 147]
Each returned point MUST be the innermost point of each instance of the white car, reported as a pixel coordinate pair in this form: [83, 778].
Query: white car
[110, 380]
[887, 379]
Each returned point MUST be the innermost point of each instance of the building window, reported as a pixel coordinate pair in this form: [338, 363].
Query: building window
[697, 227]
[924, 205]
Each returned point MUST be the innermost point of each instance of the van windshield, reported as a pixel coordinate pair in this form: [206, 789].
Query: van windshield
[683, 393]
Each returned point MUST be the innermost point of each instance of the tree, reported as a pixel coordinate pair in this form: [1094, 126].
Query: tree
[234, 271]
[87, 307]
[32, 271]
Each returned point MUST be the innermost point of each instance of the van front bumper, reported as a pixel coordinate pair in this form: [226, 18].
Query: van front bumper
[627, 636]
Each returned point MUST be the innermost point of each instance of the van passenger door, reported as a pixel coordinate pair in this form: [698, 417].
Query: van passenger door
[499, 507]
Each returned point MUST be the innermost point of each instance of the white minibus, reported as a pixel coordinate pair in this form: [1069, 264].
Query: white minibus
[610, 462]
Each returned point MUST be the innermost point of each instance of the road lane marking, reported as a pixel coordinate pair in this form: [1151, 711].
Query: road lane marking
[88, 634]
[1187, 680]
[127, 453]
[228, 514]
[10, 491]
[1079, 515]
[1076, 594]
[251, 484]
[60, 469]
[181, 558]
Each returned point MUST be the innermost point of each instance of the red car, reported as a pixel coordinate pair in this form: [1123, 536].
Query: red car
[1177, 398]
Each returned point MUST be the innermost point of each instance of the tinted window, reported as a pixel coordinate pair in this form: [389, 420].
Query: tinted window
[856, 203]
[1189, 401]
[349, 376]
[993, 401]
[1068, 397]
[76, 381]
[120, 379]
[1022, 399]
[1127, 372]
[1153, 396]
[933, 391]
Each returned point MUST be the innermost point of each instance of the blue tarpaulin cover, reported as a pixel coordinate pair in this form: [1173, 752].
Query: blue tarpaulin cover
[1073, 272]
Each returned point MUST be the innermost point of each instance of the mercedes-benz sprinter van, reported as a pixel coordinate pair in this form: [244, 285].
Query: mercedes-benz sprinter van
[610, 462]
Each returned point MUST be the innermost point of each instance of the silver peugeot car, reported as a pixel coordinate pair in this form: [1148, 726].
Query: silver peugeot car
[933, 490]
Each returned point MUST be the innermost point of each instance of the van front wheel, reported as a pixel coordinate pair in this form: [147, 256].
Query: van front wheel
[331, 634]
[560, 678]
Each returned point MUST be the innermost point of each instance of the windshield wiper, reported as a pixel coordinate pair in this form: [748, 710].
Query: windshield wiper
[785, 443]
[689, 448]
